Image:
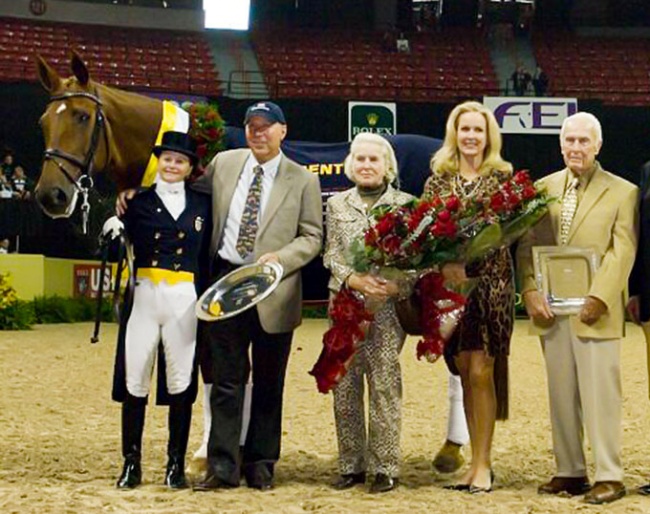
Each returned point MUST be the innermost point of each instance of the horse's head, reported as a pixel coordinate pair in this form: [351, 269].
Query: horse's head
[75, 137]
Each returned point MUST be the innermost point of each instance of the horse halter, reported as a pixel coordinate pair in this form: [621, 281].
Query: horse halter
[85, 182]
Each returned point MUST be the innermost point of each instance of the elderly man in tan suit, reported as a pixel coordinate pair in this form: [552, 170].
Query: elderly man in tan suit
[597, 210]
[265, 208]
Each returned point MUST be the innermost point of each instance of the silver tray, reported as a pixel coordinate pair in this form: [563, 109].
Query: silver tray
[238, 291]
[564, 274]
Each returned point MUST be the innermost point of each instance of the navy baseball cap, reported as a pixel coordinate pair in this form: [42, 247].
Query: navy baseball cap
[268, 110]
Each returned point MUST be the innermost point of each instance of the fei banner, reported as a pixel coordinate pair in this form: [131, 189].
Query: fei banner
[530, 115]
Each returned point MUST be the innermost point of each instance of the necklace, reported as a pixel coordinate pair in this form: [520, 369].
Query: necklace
[461, 187]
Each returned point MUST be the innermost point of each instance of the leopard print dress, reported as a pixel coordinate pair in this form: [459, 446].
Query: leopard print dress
[489, 314]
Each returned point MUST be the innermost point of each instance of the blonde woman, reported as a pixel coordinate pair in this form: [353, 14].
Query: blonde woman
[469, 164]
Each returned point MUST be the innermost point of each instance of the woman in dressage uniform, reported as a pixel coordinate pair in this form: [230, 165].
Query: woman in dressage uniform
[169, 227]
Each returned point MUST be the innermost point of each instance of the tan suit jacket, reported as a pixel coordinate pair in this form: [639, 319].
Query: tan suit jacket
[606, 220]
[291, 226]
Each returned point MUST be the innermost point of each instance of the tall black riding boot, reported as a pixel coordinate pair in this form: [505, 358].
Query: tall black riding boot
[180, 418]
[133, 411]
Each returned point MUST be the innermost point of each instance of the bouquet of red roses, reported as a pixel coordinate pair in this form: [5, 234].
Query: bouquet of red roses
[425, 233]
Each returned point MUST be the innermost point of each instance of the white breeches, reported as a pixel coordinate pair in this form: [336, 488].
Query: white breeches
[161, 312]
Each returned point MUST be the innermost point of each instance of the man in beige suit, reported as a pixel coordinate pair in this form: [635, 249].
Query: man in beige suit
[582, 352]
[265, 208]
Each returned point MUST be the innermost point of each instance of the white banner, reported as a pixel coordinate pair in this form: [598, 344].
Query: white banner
[530, 115]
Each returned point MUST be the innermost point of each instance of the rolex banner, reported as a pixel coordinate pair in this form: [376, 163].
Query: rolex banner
[374, 117]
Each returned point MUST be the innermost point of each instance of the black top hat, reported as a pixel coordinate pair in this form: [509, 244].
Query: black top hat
[177, 142]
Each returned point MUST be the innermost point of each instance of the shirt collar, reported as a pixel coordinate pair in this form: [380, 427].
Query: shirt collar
[270, 167]
[583, 179]
[170, 188]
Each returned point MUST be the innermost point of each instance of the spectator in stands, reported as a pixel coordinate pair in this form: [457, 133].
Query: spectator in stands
[22, 185]
[4, 246]
[372, 167]
[402, 44]
[6, 191]
[8, 165]
[520, 80]
[468, 164]
[540, 82]
[388, 41]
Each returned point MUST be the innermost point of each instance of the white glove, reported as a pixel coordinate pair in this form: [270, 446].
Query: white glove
[112, 228]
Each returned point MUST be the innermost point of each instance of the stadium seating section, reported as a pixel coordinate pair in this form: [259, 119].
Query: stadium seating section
[178, 62]
[614, 70]
[448, 66]
[439, 67]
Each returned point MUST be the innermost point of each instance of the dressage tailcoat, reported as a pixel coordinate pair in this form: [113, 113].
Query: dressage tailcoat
[291, 226]
[159, 241]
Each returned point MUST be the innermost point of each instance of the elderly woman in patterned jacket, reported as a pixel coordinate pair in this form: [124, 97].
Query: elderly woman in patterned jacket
[372, 166]
[169, 227]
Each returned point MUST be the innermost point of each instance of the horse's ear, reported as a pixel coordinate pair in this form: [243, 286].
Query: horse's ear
[47, 75]
[79, 69]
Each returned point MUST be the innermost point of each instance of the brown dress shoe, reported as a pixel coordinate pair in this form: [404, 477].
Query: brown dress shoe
[212, 483]
[574, 486]
[605, 492]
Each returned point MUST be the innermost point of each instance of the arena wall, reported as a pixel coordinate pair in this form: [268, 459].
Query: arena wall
[37, 275]
[113, 15]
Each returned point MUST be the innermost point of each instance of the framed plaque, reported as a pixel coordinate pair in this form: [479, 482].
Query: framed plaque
[238, 291]
[564, 275]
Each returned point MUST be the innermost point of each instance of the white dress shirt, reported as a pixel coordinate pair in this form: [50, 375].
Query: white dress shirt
[172, 196]
[228, 248]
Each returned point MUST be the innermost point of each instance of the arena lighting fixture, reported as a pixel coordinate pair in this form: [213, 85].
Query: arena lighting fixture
[227, 14]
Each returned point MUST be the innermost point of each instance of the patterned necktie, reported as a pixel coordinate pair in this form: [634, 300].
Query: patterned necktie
[248, 224]
[569, 205]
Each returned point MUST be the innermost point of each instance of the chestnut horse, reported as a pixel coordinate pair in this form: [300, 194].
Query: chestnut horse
[90, 128]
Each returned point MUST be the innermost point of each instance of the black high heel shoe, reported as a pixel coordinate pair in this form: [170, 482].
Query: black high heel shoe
[457, 487]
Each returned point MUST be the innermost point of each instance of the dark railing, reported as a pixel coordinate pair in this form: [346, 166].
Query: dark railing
[254, 84]
[247, 83]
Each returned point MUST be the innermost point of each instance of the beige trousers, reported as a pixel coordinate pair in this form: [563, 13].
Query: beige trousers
[584, 388]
